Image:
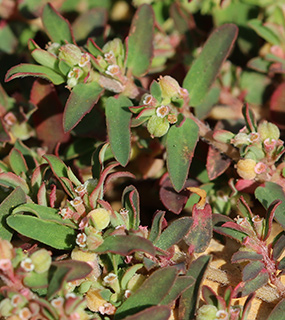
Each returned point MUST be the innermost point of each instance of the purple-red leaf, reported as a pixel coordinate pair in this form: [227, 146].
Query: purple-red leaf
[217, 164]
[48, 118]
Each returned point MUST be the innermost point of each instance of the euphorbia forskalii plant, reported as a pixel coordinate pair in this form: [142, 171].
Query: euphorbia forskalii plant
[114, 110]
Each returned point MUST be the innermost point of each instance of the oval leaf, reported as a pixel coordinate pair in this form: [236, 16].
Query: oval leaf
[156, 286]
[206, 67]
[125, 245]
[118, 127]
[81, 100]
[180, 145]
[47, 232]
[57, 28]
[140, 41]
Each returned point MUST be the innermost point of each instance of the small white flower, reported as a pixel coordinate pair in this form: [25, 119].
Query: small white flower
[27, 265]
[113, 70]
[81, 240]
[162, 111]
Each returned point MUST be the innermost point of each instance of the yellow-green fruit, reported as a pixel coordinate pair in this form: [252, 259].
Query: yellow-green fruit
[100, 218]
[41, 260]
[245, 169]
[5, 307]
[170, 88]
[268, 130]
[207, 312]
[70, 53]
[157, 126]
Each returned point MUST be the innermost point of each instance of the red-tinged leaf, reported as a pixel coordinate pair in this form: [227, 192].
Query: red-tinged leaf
[140, 41]
[243, 256]
[279, 245]
[48, 118]
[66, 271]
[97, 193]
[157, 286]
[246, 186]
[217, 164]
[180, 285]
[4, 134]
[189, 298]
[42, 195]
[180, 145]
[205, 68]
[81, 100]
[60, 171]
[57, 28]
[126, 245]
[174, 233]
[252, 270]
[32, 70]
[247, 306]
[153, 313]
[245, 288]
[131, 202]
[266, 195]
[118, 117]
[244, 209]
[15, 198]
[277, 103]
[235, 226]
[212, 298]
[119, 174]
[17, 162]
[249, 118]
[11, 180]
[37, 177]
[200, 234]
[97, 160]
[278, 312]
[183, 20]
[156, 226]
[269, 218]
[259, 64]
[172, 200]
[232, 233]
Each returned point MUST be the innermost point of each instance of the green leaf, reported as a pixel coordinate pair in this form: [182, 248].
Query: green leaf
[11, 180]
[180, 145]
[189, 298]
[60, 171]
[44, 213]
[174, 233]
[140, 41]
[252, 285]
[278, 312]
[130, 201]
[252, 270]
[8, 41]
[57, 28]
[118, 118]
[156, 226]
[17, 162]
[153, 313]
[125, 245]
[15, 198]
[150, 293]
[180, 285]
[45, 58]
[266, 195]
[206, 67]
[129, 274]
[81, 100]
[66, 271]
[32, 70]
[210, 99]
[264, 32]
[47, 232]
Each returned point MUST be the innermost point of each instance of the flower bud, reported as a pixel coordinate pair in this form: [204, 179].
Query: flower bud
[71, 54]
[240, 139]
[41, 260]
[100, 218]
[268, 130]
[170, 88]
[245, 169]
[207, 312]
[157, 126]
